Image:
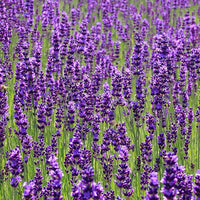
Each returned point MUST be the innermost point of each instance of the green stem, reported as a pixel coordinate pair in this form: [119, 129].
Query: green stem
[15, 194]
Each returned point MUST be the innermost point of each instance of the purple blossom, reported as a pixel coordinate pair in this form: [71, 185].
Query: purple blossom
[15, 166]
[86, 187]
[169, 180]
[152, 193]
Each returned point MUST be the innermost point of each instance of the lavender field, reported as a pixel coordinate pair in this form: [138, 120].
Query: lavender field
[99, 99]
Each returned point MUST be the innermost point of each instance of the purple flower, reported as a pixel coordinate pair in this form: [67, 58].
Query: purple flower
[15, 181]
[169, 180]
[107, 164]
[196, 186]
[152, 193]
[124, 172]
[151, 123]
[54, 185]
[28, 190]
[15, 165]
[86, 187]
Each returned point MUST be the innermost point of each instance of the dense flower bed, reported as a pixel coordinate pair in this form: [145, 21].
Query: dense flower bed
[99, 99]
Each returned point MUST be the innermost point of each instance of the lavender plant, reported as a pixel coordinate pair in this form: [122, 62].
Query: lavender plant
[99, 99]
